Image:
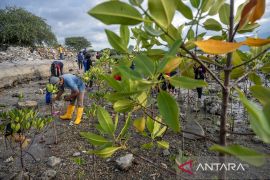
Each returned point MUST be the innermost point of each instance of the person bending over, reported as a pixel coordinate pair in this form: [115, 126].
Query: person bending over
[77, 87]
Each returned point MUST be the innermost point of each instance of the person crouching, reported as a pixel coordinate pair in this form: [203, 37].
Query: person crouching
[77, 87]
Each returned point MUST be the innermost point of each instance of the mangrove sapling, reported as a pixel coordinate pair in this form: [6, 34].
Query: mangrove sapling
[22, 121]
[155, 24]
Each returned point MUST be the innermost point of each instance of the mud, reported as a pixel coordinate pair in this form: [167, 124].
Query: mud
[149, 164]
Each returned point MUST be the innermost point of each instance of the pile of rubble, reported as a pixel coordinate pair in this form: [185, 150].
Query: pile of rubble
[19, 54]
[14, 54]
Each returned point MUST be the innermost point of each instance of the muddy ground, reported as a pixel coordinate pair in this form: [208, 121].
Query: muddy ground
[149, 164]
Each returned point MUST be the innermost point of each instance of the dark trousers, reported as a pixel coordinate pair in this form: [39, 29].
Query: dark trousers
[61, 56]
[80, 64]
[199, 91]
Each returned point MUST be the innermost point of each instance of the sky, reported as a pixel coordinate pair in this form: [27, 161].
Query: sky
[69, 18]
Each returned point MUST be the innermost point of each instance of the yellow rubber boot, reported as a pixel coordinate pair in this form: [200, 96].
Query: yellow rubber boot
[79, 115]
[68, 115]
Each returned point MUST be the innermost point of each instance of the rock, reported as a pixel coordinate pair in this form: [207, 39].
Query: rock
[214, 88]
[76, 154]
[193, 127]
[49, 174]
[212, 105]
[27, 104]
[256, 140]
[164, 165]
[166, 152]
[125, 162]
[53, 161]
[8, 160]
[195, 109]
[23, 175]
[40, 91]
[183, 116]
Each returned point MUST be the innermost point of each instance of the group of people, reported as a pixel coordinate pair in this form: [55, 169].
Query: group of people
[84, 60]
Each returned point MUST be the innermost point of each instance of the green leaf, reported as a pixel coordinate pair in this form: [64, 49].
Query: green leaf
[266, 109]
[261, 93]
[255, 78]
[116, 119]
[136, 2]
[112, 82]
[212, 24]
[248, 28]
[190, 34]
[123, 105]
[147, 145]
[258, 121]
[116, 12]
[242, 153]
[105, 120]
[239, 12]
[266, 68]
[116, 42]
[144, 65]
[94, 139]
[152, 31]
[237, 60]
[142, 99]
[149, 124]
[124, 34]
[106, 152]
[113, 97]
[215, 7]
[206, 4]
[195, 3]
[175, 48]
[126, 127]
[162, 11]
[156, 127]
[184, 9]
[129, 73]
[186, 82]
[224, 14]
[78, 160]
[163, 144]
[238, 72]
[156, 53]
[161, 132]
[173, 35]
[169, 110]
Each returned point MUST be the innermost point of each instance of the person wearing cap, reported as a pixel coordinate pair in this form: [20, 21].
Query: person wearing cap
[77, 87]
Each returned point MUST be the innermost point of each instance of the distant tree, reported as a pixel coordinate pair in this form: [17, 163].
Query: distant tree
[20, 27]
[77, 43]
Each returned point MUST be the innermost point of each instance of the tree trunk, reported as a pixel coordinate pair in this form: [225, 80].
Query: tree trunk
[226, 93]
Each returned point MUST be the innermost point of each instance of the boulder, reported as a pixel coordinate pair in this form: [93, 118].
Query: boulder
[193, 127]
[125, 162]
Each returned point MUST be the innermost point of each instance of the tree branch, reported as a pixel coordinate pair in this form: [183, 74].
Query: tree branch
[252, 58]
[201, 63]
[184, 48]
